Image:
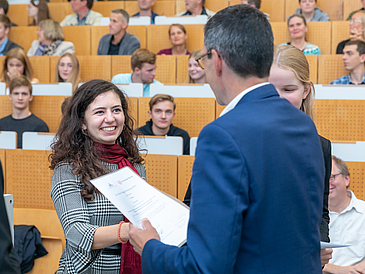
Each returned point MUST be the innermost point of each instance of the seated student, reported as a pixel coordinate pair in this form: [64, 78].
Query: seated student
[310, 11]
[196, 7]
[196, 73]
[256, 4]
[347, 223]
[145, 9]
[118, 41]
[68, 70]
[297, 28]
[357, 30]
[178, 37]
[50, 40]
[17, 63]
[353, 60]
[5, 43]
[143, 63]
[83, 15]
[352, 13]
[4, 7]
[38, 11]
[21, 119]
[162, 112]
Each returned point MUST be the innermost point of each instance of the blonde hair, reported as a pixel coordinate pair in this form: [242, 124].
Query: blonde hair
[74, 78]
[17, 53]
[52, 30]
[194, 55]
[291, 58]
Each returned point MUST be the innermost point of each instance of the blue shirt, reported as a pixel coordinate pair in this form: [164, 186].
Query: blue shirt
[153, 15]
[3, 45]
[346, 80]
[82, 21]
[126, 78]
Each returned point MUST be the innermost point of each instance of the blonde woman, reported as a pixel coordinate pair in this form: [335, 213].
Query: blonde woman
[68, 70]
[16, 63]
[196, 73]
[290, 76]
[50, 40]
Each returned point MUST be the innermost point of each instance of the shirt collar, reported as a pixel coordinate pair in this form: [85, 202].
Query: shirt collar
[83, 18]
[351, 83]
[354, 204]
[236, 99]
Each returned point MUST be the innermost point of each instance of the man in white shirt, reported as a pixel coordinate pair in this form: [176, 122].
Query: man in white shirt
[83, 15]
[196, 7]
[347, 223]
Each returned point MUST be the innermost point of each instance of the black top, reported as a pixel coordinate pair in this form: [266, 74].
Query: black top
[340, 46]
[173, 131]
[114, 48]
[8, 258]
[32, 123]
[204, 12]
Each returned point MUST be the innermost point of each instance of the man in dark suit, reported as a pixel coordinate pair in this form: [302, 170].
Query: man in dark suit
[8, 259]
[5, 43]
[256, 202]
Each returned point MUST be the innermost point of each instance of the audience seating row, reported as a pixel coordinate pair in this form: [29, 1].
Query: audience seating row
[279, 10]
[337, 120]
[170, 69]
[326, 35]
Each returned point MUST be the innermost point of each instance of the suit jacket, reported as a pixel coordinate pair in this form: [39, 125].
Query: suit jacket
[256, 202]
[8, 259]
[128, 45]
[10, 45]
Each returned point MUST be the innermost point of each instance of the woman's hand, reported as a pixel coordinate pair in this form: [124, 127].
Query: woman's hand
[12, 73]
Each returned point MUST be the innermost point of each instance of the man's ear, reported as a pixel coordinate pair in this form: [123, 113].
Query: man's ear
[362, 58]
[31, 98]
[137, 71]
[217, 62]
[7, 30]
[149, 114]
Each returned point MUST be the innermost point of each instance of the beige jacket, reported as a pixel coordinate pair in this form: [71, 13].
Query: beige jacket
[93, 19]
[60, 50]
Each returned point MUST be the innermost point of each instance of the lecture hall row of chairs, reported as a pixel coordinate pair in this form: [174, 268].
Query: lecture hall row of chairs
[170, 69]
[279, 10]
[326, 35]
[337, 120]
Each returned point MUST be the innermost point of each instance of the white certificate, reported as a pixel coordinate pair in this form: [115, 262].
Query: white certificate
[136, 199]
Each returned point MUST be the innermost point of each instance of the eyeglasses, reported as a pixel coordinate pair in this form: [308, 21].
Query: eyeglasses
[199, 59]
[355, 21]
[333, 177]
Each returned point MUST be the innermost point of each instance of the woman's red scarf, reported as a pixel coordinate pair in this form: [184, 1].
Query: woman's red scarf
[130, 260]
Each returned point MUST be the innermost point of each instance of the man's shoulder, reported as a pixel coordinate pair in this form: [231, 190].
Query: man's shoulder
[131, 37]
[176, 131]
[5, 120]
[343, 80]
[123, 78]
[106, 37]
[95, 14]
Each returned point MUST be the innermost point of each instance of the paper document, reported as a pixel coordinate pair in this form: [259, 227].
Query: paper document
[136, 199]
[331, 245]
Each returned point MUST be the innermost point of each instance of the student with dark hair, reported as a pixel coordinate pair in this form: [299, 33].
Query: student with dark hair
[5, 43]
[21, 119]
[95, 137]
[83, 15]
[256, 4]
[4, 7]
[161, 113]
[118, 41]
[254, 207]
[353, 60]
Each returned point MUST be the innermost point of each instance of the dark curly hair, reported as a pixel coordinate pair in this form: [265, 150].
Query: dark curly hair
[74, 146]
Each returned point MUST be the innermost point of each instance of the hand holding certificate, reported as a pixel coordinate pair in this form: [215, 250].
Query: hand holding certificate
[136, 199]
